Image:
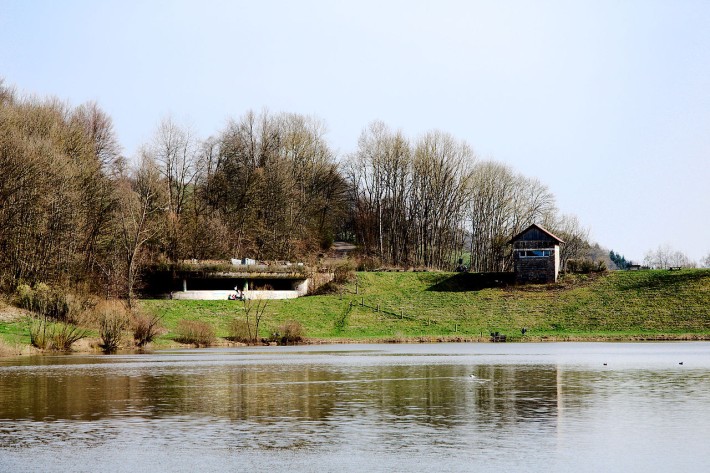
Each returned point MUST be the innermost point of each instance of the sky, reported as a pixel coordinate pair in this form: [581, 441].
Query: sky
[606, 102]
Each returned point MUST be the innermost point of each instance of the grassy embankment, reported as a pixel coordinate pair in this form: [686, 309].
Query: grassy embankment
[446, 306]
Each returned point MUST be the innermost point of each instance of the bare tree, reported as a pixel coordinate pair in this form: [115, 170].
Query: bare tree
[98, 127]
[665, 257]
[254, 311]
[501, 204]
[442, 168]
[175, 152]
[380, 175]
[491, 213]
[409, 202]
[138, 204]
[52, 185]
[276, 185]
[576, 239]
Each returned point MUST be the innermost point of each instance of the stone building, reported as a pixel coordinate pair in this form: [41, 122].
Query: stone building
[536, 255]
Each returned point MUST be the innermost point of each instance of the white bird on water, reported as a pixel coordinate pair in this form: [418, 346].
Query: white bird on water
[473, 377]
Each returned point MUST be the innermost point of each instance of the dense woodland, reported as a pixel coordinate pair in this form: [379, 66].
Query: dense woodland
[75, 211]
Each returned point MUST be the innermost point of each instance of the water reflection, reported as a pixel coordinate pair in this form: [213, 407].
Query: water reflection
[395, 407]
[438, 395]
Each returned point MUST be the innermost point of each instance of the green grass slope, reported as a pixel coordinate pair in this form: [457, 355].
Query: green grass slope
[449, 306]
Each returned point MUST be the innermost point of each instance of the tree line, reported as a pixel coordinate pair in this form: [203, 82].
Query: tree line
[75, 211]
[430, 202]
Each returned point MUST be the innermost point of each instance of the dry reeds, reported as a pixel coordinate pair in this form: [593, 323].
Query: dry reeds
[113, 318]
[146, 328]
[239, 331]
[289, 333]
[10, 350]
[195, 332]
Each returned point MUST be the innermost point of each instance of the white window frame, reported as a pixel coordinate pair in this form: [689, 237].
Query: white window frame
[546, 253]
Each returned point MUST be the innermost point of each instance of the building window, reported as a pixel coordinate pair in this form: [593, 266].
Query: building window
[534, 253]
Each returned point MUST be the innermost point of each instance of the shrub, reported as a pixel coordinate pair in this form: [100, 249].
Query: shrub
[66, 334]
[113, 319]
[38, 334]
[369, 263]
[239, 331]
[327, 288]
[57, 304]
[585, 266]
[47, 335]
[9, 350]
[23, 297]
[146, 328]
[344, 274]
[289, 333]
[326, 241]
[195, 332]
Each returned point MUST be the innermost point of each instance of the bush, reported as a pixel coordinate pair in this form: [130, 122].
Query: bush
[10, 350]
[344, 274]
[369, 263]
[327, 288]
[47, 335]
[38, 334]
[66, 334]
[585, 266]
[57, 304]
[289, 333]
[146, 328]
[239, 331]
[195, 332]
[326, 241]
[113, 319]
[24, 297]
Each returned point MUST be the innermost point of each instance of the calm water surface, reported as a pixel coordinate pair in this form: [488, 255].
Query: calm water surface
[529, 407]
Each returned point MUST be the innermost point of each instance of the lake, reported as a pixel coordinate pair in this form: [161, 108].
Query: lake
[587, 407]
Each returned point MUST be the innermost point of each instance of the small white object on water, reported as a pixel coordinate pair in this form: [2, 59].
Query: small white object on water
[473, 377]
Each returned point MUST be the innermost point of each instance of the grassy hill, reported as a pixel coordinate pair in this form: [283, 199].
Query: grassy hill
[450, 306]
[420, 306]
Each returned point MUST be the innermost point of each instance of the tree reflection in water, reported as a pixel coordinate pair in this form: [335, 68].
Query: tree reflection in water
[403, 410]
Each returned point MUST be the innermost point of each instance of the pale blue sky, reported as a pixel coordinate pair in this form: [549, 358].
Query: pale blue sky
[607, 102]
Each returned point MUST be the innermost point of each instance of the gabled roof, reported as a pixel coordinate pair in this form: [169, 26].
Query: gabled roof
[534, 225]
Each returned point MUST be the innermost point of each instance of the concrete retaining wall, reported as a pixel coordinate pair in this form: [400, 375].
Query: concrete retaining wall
[224, 295]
